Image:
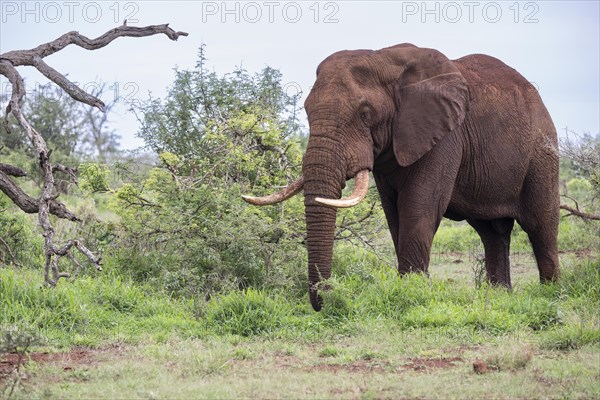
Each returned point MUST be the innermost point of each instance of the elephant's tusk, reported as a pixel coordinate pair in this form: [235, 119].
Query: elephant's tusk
[361, 187]
[278, 197]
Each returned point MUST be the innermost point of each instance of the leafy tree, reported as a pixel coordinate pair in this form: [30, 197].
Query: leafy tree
[215, 138]
[236, 127]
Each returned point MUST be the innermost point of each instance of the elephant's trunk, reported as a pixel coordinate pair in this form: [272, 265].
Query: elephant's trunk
[324, 172]
[320, 227]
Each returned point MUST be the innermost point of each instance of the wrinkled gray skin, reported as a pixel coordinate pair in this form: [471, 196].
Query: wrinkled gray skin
[464, 139]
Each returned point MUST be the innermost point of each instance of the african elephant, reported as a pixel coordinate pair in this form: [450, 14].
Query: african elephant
[463, 139]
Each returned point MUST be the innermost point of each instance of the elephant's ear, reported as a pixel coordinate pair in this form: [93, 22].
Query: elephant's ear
[431, 98]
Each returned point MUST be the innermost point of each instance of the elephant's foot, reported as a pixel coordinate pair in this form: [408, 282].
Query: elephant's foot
[500, 283]
[404, 269]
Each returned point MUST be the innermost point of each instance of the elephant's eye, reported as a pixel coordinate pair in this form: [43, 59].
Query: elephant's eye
[366, 114]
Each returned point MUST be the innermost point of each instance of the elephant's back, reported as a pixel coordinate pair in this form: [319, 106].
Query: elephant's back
[488, 75]
[499, 92]
[484, 68]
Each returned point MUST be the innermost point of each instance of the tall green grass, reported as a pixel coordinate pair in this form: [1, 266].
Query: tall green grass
[247, 313]
[90, 310]
[110, 308]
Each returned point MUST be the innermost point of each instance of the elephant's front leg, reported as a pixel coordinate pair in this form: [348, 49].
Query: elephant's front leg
[389, 202]
[412, 239]
[415, 199]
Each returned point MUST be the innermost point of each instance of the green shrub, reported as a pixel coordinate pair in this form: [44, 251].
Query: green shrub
[93, 177]
[19, 233]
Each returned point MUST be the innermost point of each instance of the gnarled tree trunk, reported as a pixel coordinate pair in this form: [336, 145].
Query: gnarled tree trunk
[47, 203]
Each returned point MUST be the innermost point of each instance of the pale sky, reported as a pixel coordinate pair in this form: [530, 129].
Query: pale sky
[554, 44]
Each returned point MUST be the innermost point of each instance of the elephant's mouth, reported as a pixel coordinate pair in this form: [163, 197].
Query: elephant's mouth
[361, 188]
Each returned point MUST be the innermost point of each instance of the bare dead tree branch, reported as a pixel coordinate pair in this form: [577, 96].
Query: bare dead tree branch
[573, 147]
[12, 170]
[578, 213]
[72, 89]
[78, 266]
[47, 203]
[33, 57]
[30, 205]
[24, 57]
[574, 200]
[71, 171]
[66, 251]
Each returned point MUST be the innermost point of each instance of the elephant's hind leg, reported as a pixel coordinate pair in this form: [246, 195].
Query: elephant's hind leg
[495, 236]
[540, 215]
[545, 247]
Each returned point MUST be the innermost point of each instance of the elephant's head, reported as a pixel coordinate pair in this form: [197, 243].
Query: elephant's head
[365, 104]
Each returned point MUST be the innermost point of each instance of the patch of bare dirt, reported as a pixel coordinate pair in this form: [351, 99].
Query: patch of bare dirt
[425, 364]
[369, 366]
[8, 362]
[359, 367]
[286, 361]
[76, 357]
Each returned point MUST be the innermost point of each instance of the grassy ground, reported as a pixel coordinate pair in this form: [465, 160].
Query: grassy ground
[377, 337]
[381, 363]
